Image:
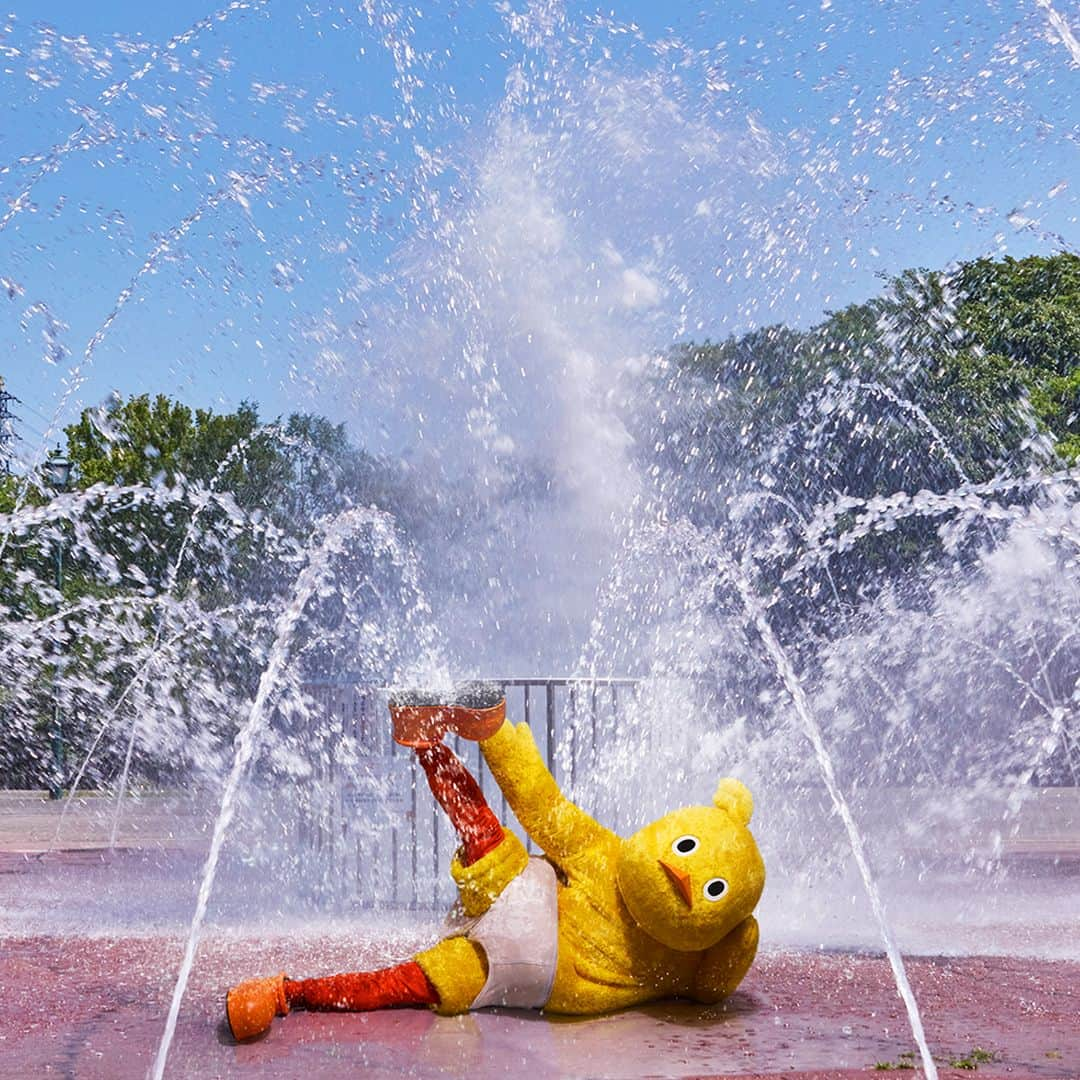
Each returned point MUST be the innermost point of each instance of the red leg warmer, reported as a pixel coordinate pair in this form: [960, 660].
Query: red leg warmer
[361, 991]
[458, 793]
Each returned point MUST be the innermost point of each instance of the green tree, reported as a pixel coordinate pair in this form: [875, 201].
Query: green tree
[240, 500]
[1024, 314]
[941, 379]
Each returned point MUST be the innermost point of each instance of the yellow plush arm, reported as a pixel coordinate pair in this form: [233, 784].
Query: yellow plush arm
[559, 827]
[725, 963]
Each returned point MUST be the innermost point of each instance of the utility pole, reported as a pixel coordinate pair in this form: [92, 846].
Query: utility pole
[7, 432]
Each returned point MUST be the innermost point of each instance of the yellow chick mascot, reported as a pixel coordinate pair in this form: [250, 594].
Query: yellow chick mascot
[599, 923]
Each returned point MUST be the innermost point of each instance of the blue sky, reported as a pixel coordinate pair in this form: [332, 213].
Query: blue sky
[315, 176]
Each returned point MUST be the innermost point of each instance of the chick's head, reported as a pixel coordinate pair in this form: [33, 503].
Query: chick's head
[692, 876]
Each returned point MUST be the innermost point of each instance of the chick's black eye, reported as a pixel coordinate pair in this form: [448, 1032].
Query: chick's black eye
[685, 845]
[715, 888]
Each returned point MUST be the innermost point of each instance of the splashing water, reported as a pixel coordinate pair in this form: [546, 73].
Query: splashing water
[235, 453]
[78, 373]
[1058, 22]
[311, 579]
[52, 161]
[858, 850]
[919, 413]
[503, 269]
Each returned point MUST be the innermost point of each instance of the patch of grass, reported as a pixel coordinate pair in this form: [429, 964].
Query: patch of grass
[906, 1060]
[977, 1057]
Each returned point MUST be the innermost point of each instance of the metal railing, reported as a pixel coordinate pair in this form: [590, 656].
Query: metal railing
[378, 798]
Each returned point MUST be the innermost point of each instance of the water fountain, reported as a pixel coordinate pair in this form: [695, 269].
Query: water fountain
[488, 264]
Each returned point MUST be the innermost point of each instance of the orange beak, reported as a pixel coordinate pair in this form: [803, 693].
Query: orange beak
[681, 880]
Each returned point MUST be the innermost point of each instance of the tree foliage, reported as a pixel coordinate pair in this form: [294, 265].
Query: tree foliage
[1024, 316]
[182, 533]
[942, 380]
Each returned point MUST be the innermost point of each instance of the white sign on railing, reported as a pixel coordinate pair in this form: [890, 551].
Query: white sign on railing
[378, 786]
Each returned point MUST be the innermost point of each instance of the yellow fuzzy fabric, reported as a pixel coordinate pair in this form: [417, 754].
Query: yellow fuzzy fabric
[457, 968]
[627, 934]
[482, 882]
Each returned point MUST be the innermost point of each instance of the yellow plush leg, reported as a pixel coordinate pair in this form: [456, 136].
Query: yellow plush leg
[457, 968]
[483, 881]
[724, 964]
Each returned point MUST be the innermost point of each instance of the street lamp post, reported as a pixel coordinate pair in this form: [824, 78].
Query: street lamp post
[57, 470]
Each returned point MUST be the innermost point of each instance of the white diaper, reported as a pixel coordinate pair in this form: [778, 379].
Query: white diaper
[520, 936]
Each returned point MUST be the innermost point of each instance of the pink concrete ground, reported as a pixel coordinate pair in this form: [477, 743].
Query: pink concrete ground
[94, 1008]
[90, 944]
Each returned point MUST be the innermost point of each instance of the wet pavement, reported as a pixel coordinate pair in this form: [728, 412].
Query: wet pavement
[31, 822]
[95, 1007]
[91, 941]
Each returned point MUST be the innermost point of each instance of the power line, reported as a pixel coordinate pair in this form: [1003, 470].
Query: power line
[37, 413]
[26, 404]
[28, 427]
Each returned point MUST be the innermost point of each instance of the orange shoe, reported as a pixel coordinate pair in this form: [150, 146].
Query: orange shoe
[473, 710]
[251, 1006]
